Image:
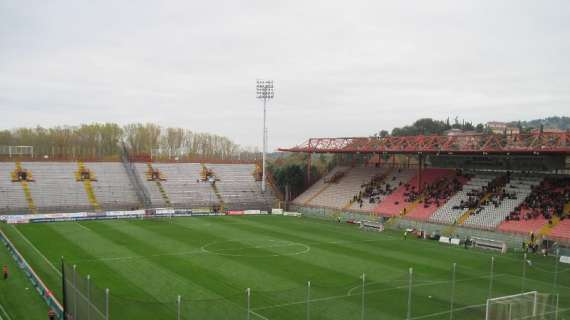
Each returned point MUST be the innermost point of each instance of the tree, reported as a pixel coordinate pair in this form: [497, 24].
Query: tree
[102, 140]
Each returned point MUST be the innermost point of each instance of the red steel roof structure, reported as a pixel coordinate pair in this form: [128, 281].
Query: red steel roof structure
[540, 143]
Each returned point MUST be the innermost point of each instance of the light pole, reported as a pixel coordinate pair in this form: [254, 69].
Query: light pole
[264, 92]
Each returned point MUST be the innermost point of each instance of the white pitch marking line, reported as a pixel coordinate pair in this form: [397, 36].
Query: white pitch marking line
[258, 315]
[429, 315]
[84, 227]
[201, 251]
[38, 251]
[344, 296]
[181, 253]
[5, 313]
[428, 283]
[284, 244]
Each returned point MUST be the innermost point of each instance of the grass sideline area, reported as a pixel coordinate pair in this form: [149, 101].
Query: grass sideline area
[210, 261]
[18, 298]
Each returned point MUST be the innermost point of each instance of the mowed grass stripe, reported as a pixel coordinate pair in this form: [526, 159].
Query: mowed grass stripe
[373, 259]
[67, 239]
[234, 270]
[120, 231]
[344, 262]
[138, 289]
[217, 282]
[338, 253]
[439, 296]
[339, 264]
[279, 266]
[323, 267]
[147, 274]
[393, 250]
[446, 255]
[350, 303]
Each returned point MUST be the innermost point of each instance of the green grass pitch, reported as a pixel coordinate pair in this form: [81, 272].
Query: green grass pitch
[211, 261]
[18, 299]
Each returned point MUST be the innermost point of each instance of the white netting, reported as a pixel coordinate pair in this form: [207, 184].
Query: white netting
[13, 151]
[529, 305]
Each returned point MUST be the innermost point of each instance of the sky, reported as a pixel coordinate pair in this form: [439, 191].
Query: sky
[341, 68]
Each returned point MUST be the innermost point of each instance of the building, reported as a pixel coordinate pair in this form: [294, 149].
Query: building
[502, 128]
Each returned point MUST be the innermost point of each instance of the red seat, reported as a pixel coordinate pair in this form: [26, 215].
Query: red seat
[396, 202]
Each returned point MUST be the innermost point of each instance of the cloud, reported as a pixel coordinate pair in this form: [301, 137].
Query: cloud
[341, 69]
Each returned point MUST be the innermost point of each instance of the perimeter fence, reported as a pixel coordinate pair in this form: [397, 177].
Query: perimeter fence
[461, 292]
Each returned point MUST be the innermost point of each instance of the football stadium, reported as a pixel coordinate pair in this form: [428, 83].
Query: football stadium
[285, 160]
[416, 227]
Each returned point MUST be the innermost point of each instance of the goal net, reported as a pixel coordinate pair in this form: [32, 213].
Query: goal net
[16, 151]
[530, 305]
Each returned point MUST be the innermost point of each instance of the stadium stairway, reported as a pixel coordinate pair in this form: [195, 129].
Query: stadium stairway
[257, 175]
[183, 185]
[469, 212]
[395, 203]
[523, 226]
[418, 211]
[490, 217]
[158, 184]
[87, 185]
[238, 189]
[548, 227]
[214, 188]
[26, 188]
[558, 228]
[539, 225]
[561, 230]
[449, 213]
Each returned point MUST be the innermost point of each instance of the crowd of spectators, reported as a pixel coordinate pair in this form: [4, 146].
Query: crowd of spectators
[436, 193]
[377, 188]
[492, 194]
[546, 200]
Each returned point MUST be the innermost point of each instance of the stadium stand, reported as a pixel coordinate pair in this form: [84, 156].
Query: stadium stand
[406, 196]
[438, 194]
[488, 200]
[379, 187]
[457, 206]
[544, 205]
[182, 185]
[155, 190]
[55, 187]
[112, 188]
[317, 187]
[503, 200]
[94, 186]
[339, 191]
[12, 197]
[238, 187]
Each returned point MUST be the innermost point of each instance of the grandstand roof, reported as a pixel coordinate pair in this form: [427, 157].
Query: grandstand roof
[551, 143]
